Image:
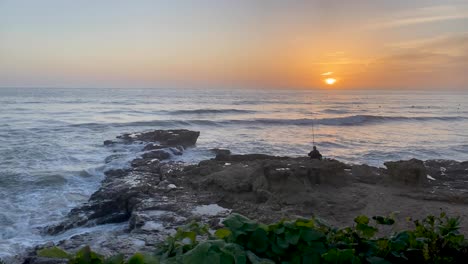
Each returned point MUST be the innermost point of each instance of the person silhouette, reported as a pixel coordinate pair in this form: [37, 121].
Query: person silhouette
[315, 154]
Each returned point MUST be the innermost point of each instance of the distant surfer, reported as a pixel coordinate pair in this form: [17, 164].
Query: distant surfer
[315, 154]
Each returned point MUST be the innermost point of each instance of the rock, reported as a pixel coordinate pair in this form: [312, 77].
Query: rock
[168, 138]
[234, 179]
[266, 175]
[156, 154]
[152, 146]
[108, 142]
[221, 153]
[41, 260]
[113, 202]
[407, 172]
[247, 157]
[367, 174]
[157, 197]
[176, 151]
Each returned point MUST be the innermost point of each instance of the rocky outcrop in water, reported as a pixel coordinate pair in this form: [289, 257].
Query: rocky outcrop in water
[167, 138]
[124, 190]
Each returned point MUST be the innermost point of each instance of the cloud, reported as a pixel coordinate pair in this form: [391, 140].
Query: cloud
[454, 45]
[326, 73]
[438, 61]
[423, 15]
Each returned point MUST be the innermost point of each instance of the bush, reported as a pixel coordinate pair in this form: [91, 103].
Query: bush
[432, 240]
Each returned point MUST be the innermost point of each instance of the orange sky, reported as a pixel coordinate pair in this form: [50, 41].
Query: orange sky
[366, 44]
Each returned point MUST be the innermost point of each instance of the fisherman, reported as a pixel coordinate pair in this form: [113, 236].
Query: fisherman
[315, 154]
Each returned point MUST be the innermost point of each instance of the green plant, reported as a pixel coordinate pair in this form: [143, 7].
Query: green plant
[242, 241]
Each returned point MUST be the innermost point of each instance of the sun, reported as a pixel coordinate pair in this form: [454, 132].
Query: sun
[330, 81]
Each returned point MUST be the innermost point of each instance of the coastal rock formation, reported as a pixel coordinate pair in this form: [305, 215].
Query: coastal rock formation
[156, 154]
[123, 190]
[154, 195]
[408, 172]
[167, 138]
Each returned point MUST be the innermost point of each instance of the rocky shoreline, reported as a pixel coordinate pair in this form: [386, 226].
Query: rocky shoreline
[156, 195]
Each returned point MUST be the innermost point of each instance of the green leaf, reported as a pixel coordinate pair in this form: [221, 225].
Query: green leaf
[202, 254]
[236, 221]
[117, 259]
[400, 241]
[340, 256]
[292, 237]
[311, 258]
[277, 250]
[366, 230]
[257, 260]
[53, 252]
[236, 252]
[305, 223]
[377, 260]
[86, 256]
[223, 233]
[151, 259]
[138, 258]
[282, 242]
[279, 230]
[192, 235]
[258, 241]
[383, 220]
[362, 219]
[311, 235]
[316, 247]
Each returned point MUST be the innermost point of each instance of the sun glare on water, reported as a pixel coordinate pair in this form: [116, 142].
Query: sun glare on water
[330, 81]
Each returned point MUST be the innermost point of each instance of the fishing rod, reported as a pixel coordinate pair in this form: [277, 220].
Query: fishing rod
[313, 132]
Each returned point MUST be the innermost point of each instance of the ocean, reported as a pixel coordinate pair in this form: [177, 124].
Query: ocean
[52, 156]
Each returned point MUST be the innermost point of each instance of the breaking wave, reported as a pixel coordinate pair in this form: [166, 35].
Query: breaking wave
[211, 111]
[354, 120]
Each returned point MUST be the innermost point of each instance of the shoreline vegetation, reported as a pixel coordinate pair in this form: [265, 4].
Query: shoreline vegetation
[205, 203]
[241, 241]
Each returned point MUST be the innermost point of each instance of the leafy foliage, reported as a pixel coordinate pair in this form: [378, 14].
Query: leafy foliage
[53, 252]
[242, 241]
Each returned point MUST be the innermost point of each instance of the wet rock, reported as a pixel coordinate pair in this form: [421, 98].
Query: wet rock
[247, 157]
[407, 172]
[176, 151]
[108, 142]
[111, 158]
[113, 202]
[169, 138]
[221, 153]
[152, 146]
[156, 154]
[118, 173]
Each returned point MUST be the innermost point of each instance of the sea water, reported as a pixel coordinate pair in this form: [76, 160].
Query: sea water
[52, 157]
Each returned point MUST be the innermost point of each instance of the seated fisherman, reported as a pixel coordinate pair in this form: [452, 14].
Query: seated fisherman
[315, 154]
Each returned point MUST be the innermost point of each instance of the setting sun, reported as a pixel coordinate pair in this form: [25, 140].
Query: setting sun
[330, 81]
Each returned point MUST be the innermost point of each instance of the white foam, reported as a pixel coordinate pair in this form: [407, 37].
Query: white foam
[151, 225]
[210, 210]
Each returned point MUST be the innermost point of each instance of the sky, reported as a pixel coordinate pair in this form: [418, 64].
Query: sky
[361, 44]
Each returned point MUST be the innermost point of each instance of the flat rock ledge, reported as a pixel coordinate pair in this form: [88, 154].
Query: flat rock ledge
[155, 195]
